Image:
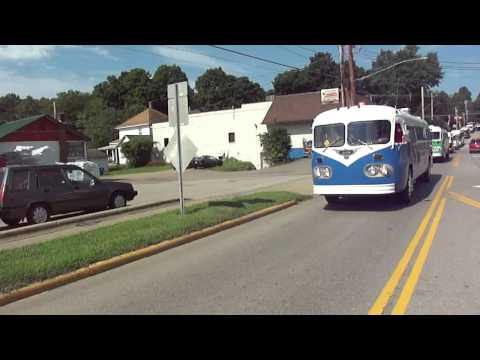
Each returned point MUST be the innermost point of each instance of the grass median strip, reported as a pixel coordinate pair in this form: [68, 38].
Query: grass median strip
[26, 265]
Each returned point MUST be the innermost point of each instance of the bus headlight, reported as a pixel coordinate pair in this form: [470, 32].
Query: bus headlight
[323, 172]
[377, 170]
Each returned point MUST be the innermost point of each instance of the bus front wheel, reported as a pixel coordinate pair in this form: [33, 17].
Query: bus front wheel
[405, 196]
[332, 199]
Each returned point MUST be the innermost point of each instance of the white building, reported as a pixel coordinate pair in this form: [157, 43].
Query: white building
[138, 125]
[232, 132]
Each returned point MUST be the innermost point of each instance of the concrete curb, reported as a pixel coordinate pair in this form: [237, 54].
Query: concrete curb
[100, 214]
[132, 256]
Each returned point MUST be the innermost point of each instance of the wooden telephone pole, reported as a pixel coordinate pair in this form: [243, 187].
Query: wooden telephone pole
[342, 72]
[352, 75]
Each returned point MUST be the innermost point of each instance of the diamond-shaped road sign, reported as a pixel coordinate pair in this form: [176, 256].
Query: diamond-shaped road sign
[188, 151]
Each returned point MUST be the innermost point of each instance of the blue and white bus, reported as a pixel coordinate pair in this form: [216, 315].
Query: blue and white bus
[369, 150]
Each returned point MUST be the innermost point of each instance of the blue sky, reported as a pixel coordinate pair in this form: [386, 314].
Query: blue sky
[45, 70]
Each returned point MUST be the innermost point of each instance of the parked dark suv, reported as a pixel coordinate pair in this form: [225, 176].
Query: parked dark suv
[37, 192]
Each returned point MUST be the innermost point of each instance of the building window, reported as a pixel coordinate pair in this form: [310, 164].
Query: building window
[231, 137]
[76, 150]
[165, 142]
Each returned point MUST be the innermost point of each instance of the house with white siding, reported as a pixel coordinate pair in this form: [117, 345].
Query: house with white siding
[138, 125]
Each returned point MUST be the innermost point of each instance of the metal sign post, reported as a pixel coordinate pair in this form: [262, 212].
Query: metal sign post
[178, 113]
[179, 145]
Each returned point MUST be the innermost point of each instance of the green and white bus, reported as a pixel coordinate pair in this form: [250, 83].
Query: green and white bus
[440, 143]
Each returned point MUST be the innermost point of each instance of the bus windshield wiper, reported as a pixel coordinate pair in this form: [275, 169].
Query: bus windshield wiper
[332, 144]
[361, 142]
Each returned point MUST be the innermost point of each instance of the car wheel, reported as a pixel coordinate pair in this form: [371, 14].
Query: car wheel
[38, 214]
[11, 222]
[117, 201]
[405, 196]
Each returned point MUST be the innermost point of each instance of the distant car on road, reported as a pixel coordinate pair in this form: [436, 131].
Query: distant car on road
[474, 146]
[37, 192]
[205, 161]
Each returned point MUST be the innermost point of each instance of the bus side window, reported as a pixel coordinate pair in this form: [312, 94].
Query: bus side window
[411, 133]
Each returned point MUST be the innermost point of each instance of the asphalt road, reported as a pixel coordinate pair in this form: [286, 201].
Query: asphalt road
[312, 258]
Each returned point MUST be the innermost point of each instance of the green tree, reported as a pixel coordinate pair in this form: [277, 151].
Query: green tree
[276, 145]
[98, 122]
[322, 72]
[71, 103]
[164, 76]
[217, 90]
[406, 78]
[132, 87]
[458, 100]
[138, 151]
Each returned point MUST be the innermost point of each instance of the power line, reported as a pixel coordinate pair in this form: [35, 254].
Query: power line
[254, 57]
[293, 52]
[187, 61]
[305, 48]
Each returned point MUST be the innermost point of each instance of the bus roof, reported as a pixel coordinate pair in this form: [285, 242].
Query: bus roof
[367, 112]
[355, 113]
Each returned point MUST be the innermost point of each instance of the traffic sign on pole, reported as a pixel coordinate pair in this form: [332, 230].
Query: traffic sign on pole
[178, 114]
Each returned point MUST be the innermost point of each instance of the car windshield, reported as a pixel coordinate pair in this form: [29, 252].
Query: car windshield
[331, 135]
[369, 132]
[435, 135]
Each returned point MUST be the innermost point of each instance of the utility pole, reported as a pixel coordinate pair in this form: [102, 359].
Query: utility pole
[342, 89]
[54, 111]
[466, 111]
[431, 107]
[456, 117]
[423, 105]
[352, 75]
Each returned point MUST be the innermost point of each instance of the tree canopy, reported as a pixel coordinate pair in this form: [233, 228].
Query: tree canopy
[217, 90]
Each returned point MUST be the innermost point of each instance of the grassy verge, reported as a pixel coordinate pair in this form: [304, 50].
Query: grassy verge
[232, 164]
[23, 266]
[143, 169]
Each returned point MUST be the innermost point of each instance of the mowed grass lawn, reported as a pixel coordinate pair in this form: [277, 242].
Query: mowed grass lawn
[26, 265]
[139, 170]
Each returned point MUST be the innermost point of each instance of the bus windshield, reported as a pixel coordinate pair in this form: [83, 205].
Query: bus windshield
[435, 135]
[368, 132]
[331, 135]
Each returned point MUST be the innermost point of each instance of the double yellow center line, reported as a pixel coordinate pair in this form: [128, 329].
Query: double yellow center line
[409, 287]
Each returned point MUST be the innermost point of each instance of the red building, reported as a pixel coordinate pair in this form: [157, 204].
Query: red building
[44, 139]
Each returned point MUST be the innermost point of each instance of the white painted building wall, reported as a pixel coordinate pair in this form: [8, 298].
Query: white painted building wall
[134, 130]
[298, 133]
[209, 131]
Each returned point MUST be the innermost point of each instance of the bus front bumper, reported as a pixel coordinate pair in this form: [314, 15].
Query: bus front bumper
[354, 189]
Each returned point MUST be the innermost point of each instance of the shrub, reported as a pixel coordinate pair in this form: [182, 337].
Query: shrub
[232, 164]
[138, 151]
[276, 145]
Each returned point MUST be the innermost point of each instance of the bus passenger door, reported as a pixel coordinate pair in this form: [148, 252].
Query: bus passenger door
[414, 151]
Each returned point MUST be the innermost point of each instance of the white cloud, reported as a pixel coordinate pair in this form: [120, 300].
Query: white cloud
[12, 82]
[184, 55]
[35, 52]
[25, 52]
[93, 49]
